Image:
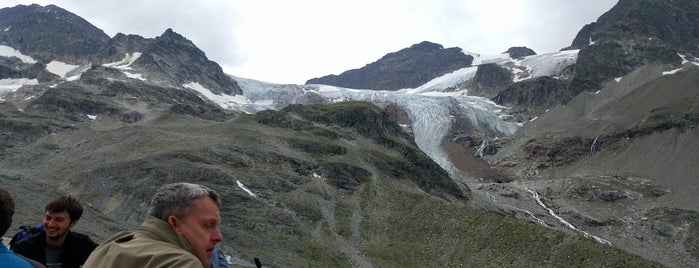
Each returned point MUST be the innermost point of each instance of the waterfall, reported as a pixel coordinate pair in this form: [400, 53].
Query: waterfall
[567, 224]
[479, 152]
[592, 147]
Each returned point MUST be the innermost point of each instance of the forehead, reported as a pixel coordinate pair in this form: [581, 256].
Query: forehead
[205, 208]
[61, 214]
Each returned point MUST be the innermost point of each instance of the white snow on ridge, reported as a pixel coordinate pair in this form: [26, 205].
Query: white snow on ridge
[672, 71]
[479, 59]
[125, 63]
[60, 68]
[549, 64]
[240, 184]
[448, 81]
[9, 52]
[11, 85]
[223, 100]
[133, 75]
[67, 71]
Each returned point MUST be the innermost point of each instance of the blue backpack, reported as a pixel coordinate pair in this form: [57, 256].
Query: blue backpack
[25, 232]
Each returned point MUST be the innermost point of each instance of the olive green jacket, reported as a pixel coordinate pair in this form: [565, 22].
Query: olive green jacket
[154, 244]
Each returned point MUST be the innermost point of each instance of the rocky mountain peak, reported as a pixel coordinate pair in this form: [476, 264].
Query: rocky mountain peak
[632, 34]
[64, 35]
[173, 58]
[407, 68]
[425, 46]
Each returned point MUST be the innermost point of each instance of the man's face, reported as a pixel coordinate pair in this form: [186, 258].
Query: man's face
[200, 228]
[56, 225]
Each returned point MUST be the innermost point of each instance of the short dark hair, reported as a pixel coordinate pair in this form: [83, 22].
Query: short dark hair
[177, 199]
[66, 203]
[7, 210]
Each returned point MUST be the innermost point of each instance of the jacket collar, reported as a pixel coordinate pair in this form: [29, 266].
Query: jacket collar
[157, 229]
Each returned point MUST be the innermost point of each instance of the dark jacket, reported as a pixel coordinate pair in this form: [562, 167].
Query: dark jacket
[76, 248]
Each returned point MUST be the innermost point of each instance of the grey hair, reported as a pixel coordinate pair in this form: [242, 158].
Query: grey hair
[177, 199]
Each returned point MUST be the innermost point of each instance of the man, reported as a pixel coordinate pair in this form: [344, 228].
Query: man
[56, 243]
[181, 231]
[7, 210]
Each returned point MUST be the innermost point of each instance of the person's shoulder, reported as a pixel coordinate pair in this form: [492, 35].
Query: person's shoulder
[26, 243]
[81, 238]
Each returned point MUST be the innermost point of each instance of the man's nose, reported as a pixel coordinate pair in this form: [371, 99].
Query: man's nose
[218, 237]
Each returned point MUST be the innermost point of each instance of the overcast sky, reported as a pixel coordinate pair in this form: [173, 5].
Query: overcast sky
[284, 41]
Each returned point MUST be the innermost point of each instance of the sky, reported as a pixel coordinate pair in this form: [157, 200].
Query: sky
[289, 42]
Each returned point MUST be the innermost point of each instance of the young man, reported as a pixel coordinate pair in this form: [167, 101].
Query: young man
[56, 243]
[7, 210]
[181, 231]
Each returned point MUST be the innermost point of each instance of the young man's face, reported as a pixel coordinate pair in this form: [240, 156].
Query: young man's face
[200, 228]
[56, 225]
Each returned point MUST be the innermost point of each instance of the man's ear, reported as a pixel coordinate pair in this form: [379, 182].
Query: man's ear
[73, 223]
[174, 223]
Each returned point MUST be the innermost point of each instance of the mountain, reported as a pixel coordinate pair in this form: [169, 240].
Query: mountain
[407, 68]
[59, 43]
[497, 160]
[633, 34]
[50, 32]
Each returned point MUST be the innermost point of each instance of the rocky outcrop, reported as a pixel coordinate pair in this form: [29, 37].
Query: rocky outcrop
[408, 68]
[490, 79]
[530, 98]
[520, 52]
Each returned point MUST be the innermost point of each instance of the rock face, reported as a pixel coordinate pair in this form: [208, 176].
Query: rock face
[172, 57]
[532, 97]
[50, 33]
[490, 79]
[408, 68]
[632, 34]
[520, 52]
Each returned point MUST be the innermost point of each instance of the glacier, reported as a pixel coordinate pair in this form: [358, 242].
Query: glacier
[432, 113]
[433, 108]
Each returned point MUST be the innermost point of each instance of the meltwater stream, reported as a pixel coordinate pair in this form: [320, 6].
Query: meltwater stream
[567, 224]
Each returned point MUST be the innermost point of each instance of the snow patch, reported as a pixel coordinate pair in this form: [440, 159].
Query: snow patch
[672, 72]
[92, 117]
[479, 59]
[618, 79]
[11, 85]
[125, 63]
[223, 100]
[549, 64]
[8, 28]
[240, 184]
[448, 81]
[9, 52]
[60, 68]
[134, 75]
